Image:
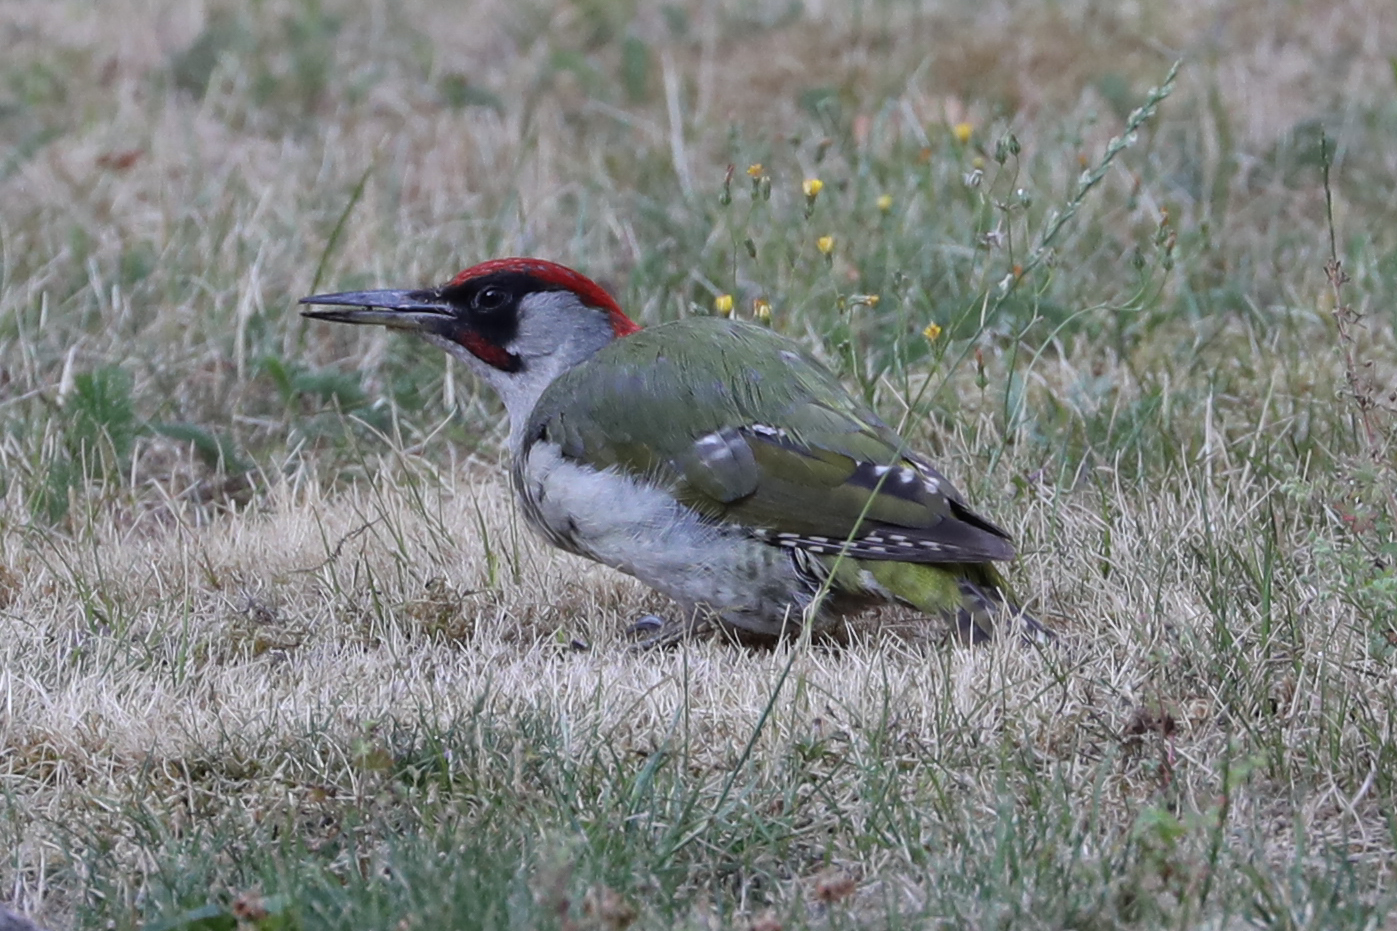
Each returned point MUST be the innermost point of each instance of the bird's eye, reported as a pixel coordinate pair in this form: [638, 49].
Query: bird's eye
[491, 299]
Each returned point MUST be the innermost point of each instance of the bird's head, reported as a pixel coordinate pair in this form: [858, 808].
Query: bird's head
[517, 322]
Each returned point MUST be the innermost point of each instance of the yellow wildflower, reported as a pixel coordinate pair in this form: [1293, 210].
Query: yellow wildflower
[754, 170]
[932, 332]
[885, 202]
[761, 309]
[812, 187]
[825, 244]
[723, 304]
[963, 132]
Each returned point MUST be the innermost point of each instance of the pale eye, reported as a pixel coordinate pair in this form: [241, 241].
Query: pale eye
[491, 299]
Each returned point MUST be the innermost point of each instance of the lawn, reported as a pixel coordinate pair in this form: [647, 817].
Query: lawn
[276, 652]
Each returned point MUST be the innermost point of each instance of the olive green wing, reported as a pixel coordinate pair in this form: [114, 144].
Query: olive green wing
[747, 430]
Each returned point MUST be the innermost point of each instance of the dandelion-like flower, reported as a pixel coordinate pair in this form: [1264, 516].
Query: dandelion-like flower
[885, 202]
[963, 132]
[723, 304]
[812, 188]
[932, 332]
[825, 244]
[754, 170]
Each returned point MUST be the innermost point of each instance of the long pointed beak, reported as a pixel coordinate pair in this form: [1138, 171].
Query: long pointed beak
[401, 310]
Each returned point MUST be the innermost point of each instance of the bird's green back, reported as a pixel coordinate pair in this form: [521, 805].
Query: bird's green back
[748, 429]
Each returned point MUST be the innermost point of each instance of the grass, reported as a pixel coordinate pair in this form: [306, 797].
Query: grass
[277, 652]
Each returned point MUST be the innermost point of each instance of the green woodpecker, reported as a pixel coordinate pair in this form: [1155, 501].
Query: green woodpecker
[711, 459]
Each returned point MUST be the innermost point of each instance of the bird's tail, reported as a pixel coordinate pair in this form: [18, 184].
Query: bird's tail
[974, 598]
[986, 608]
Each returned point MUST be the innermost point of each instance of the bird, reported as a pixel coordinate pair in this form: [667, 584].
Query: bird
[712, 459]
